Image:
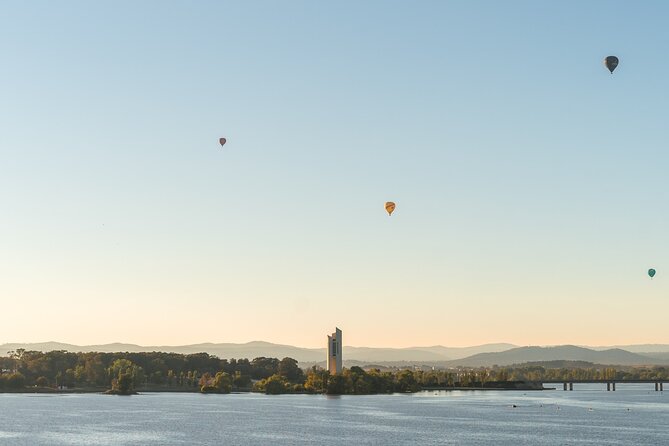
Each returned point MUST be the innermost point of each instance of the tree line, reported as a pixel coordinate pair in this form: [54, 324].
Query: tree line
[143, 370]
[128, 372]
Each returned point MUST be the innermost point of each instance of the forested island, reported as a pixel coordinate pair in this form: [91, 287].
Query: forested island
[128, 373]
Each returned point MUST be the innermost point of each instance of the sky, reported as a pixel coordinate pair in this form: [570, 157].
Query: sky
[531, 185]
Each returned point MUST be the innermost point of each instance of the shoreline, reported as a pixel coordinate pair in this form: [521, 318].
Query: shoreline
[44, 391]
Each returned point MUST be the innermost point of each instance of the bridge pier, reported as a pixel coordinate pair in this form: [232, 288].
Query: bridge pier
[610, 383]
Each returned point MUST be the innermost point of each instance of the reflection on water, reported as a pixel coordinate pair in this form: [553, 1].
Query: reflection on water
[633, 415]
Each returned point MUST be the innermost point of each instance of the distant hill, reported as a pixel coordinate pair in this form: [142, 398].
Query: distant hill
[259, 348]
[249, 350]
[521, 355]
[657, 355]
[434, 353]
[438, 356]
[637, 348]
[559, 364]
[463, 352]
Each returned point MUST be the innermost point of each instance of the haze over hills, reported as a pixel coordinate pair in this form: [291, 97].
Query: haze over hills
[477, 356]
[521, 355]
[639, 348]
[434, 353]
[249, 350]
[255, 349]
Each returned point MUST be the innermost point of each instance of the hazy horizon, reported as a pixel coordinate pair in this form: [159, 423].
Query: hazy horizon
[322, 345]
[530, 183]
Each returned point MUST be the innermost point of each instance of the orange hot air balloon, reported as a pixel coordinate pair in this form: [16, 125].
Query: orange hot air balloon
[222, 141]
[390, 207]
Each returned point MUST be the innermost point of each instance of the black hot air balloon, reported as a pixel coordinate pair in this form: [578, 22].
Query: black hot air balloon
[222, 141]
[611, 62]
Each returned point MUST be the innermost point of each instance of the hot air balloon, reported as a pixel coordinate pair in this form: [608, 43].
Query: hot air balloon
[611, 62]
[390, 207]
[222, 141]
[651, 273]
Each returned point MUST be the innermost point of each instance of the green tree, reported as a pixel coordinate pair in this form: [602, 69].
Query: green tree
[15, 380]
[123, 384]
[289, 369]
[317, 380]
[95, 371]
[264, 367]
[223, 382]
[241, 381]
[276, 384]
[336, 384]
[128, 376]
[406, 382]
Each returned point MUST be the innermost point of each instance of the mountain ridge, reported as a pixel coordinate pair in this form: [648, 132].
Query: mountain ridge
[255, 349]
[501, 354]
[520, 355]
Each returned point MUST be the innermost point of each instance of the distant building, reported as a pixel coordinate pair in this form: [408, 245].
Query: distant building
[335, 352]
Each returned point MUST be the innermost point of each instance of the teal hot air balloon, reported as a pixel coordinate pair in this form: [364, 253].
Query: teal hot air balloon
[651, 273]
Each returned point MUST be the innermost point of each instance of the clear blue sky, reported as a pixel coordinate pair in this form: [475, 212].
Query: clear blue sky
[531, 185]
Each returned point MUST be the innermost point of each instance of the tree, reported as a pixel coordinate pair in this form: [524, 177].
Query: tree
[241, 381]
[17, 354]
[15, 380]
[483, 376]
[502, 375]
[317, 380]
[264, 367]
[405, 381]
[223, 382]
[123, 384]
[289, 369]
[206, 380]
[336, 384]
[95, 371]
[128, 376]
[276, 384]
[356, 381]
[69, 379]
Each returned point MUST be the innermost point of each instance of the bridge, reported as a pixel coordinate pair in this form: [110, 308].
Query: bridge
[610, 384]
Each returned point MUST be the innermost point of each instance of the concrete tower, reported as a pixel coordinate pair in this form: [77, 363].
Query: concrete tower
[335, 352]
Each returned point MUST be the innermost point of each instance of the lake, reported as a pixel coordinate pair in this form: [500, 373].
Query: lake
[633, 415]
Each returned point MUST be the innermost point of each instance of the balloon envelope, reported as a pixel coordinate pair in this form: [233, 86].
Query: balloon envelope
[651, 273]
[222, 141]
[611, 62]
[390, 207]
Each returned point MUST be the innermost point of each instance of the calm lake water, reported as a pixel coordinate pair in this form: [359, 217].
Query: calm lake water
[587, 416]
